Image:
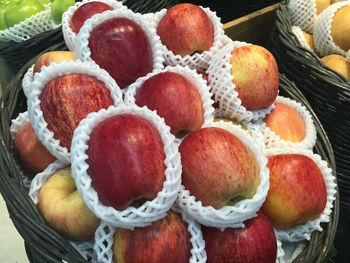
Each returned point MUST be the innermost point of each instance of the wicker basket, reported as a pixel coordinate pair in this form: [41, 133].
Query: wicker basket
[329, 95]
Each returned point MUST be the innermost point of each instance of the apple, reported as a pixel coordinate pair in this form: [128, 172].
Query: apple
[175, 98]
[33, 156]
[66, 100]
[185, 29]
[84, 12]
[58, 7]
[297, 191]
[286, 122]
[53, 56]
[256, 242]
[121, 47]
[217, 168]
[21, 10]
[166, 240]
[126, 161]
[3, 7]
[256, 76]
[64, 210]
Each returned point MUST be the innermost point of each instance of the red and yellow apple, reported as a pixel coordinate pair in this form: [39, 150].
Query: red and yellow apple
[53, 56]
[63, 208]
[297, 191]
[217, 167]
[166, 240]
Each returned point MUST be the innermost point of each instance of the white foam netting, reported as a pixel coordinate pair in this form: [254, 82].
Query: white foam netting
[235, 215]
[68, 35]
[84, 248]
[151, 210]
[300, 36]
[49, 73]
[104, 239]
[198, 61]
[82, 50]
[27, 79]
[220, 79]
[303, 232]
[291, 250]
[323, 39]
[348, 56]
[36, 24]
[272, 140]
[303, 14]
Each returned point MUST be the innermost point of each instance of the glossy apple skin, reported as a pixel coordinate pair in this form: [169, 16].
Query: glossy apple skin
[186, 29]
[66, 100]
[53, 56]
[126, 160]
[121, 47]
[217, 167]
[84, 12]
[256, 242]
[166, 240]
[21, 10]
[63, 208]
[256, 76]
[33, 156]
[175, 98]
[286, 122]
[297, 190]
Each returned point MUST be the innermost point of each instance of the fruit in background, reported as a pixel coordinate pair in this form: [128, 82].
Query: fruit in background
[53, 56]
[126, 160]
[256, 76]
[121, 47]
[3, 7]
[58, 7]
[321, 5]
[185, 29]
[334, 1]
[217, 168]
[340, 28]
[64, 210]
[166, 240]
[175, 98]
[309, 38]
[338, 63]
[66, 100]
[44, 2]
[84, 12]
[33, 156]
[21, 10]
[297, 191]
[256, 242]
[286, 122]
[228, 120]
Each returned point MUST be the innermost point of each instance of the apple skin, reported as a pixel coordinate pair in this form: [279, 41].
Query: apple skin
[297, 191]
[166, 240]
[286, 123]
[33, 156]
[84, 12]
[186, 29]
[256, 242]
[66, 100]
[126, 160]
[58, 8]
[256, 76]
[63, 208]
[53, 56]
[3, 7]
[121, 47]
[217, 168]
[175, 98]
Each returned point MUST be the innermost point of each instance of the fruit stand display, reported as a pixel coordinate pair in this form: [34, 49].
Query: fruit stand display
[147, 127]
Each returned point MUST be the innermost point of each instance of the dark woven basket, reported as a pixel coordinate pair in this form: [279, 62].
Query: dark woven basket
[329, 95]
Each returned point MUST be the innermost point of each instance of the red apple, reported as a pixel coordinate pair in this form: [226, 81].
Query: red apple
[217, 167]
[286, 122]
[53, 56]
[66, 100]
[175, 98]
[84, 12]
[256, 242]
[166, 240]
[256, 76]
[33, 156]
[297, 191]
[63, 208]
[186, 29]
[126, 160]
[121, 47]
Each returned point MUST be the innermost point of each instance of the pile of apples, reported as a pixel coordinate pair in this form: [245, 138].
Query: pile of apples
[98, 159]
